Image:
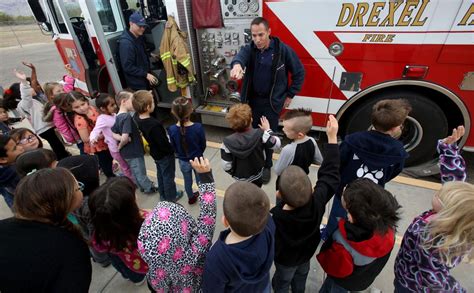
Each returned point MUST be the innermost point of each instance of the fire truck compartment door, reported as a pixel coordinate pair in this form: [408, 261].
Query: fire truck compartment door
[107, 23]
[67, 41]
[459, 45]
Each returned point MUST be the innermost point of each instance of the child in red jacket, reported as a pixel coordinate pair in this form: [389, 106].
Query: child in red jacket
[358, 250]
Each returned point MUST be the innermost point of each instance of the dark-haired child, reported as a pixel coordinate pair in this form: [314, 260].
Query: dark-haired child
[299, 214]
[188, 140]
[103, 128]
[26, 138]
[174, 244]
[4, 120]
[160, 147]
[85, 118]
[63, 118]
[241, 258]
[357, 251]
[303, 150]
[44, 251]
[375, 154]
[117, 221]
[243, 152]
[131, 143]
[34, 160]
[9, 151]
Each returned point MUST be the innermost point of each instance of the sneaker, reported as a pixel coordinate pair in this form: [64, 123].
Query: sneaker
[193, 199]
[153, 190]
[266, 176]
[179, 195]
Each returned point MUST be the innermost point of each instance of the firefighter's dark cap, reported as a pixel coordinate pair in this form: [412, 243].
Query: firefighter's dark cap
[137, 19]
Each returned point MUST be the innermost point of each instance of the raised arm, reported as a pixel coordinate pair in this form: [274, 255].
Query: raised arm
[206, 222]
[328, 173]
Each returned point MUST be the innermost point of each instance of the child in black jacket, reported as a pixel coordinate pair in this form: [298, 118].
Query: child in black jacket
[358, 250]
[243, 153]
[298, 216]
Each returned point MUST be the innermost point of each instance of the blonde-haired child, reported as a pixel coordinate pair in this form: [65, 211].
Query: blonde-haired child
[437, 240]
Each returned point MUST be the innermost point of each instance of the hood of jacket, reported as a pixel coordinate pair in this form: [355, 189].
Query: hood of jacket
[376, 149]
[365, 242]
[242, 144]
[248, 262]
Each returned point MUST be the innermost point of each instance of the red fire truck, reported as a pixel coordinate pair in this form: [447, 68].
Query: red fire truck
[354, 53]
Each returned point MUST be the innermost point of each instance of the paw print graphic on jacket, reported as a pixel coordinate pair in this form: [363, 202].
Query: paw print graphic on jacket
[374, 175]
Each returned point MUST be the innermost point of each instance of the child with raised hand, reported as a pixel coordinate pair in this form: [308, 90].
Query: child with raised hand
[117, 220]
[188, 140]
[174, 244]
[103, 128]
[85, 117]
[299, 214]
[31, 105]
[131, 143]
[439, 239]
[243, 152]
[357, 251]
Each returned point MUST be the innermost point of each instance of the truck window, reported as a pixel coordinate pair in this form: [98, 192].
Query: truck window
[107, 15]
[58, 17]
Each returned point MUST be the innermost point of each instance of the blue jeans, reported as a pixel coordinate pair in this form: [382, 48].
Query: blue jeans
[80, 146]
[127, 273]
[261, 107]
[165, 169]
[329, 286]
[7, 196]
[285, 276]
[187, 171]
[337, 211]
[138, 168]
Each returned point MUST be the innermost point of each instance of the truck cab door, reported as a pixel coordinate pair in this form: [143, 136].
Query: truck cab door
[66, 40]
[106, 24]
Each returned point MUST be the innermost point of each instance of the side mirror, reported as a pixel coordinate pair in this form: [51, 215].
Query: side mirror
[46, 26]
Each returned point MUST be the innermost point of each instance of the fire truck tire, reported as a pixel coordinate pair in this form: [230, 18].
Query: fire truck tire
[426, 123]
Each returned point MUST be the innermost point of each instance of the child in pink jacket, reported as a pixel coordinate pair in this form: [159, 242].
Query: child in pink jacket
[103, 126]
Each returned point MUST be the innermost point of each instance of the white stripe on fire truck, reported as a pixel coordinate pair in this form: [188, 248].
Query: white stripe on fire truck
[410, 38]
[291, 14]
[317, 105]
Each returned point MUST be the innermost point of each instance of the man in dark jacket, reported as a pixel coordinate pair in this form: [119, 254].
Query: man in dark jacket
[134, 61]
[267, 62]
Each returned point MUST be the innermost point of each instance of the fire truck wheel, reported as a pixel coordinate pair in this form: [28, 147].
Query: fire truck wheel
[426, 123]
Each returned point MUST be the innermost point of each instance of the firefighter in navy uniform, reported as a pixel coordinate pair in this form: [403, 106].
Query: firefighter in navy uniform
[134, 61]
[267, 62]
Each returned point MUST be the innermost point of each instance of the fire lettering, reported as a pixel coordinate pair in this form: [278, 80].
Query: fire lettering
[378, 38]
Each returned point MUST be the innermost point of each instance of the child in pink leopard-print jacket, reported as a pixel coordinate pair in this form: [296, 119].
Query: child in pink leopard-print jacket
[173, 244]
